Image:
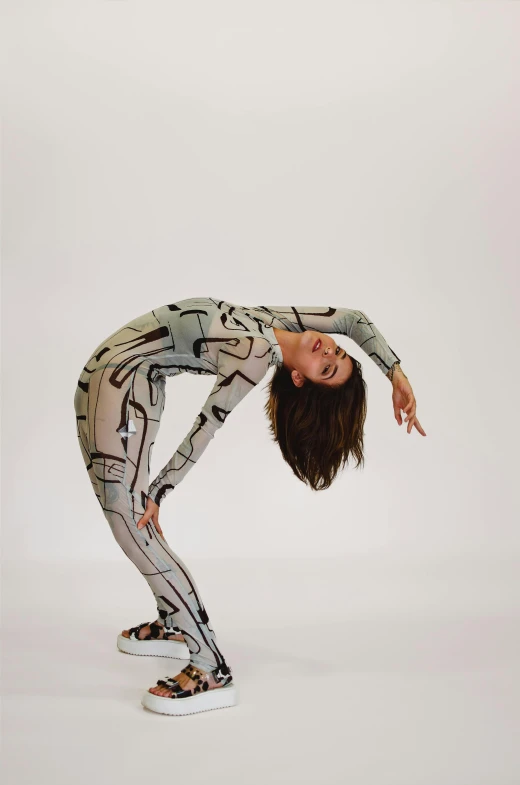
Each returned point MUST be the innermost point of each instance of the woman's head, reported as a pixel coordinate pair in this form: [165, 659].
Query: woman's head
[315, 357]
[317, 407]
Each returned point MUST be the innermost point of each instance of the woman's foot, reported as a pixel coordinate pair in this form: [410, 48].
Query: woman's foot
[191, 679]
[192, 690]
[156, 630]
[154, 639]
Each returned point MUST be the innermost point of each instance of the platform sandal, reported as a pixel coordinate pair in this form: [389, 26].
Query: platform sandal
[200, 698]
[152, 645]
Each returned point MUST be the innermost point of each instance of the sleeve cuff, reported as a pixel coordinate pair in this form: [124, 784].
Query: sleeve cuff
[158, 494]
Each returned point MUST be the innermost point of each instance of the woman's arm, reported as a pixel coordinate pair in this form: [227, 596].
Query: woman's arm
[242, 363]
[355, 324]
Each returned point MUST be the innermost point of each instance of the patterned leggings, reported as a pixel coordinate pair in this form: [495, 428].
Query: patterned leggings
[117, 418]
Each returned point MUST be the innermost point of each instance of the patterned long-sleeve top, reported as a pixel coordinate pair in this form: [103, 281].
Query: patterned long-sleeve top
[238, 344]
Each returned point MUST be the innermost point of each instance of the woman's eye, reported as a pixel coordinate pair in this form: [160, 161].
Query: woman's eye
[325, 370]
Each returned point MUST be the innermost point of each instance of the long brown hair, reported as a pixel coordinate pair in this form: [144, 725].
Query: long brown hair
[318, 427]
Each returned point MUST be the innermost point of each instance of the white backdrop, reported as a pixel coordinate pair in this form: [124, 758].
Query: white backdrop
[363, 156]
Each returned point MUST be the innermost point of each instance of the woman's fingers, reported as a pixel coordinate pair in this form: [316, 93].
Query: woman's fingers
[155, 519]
[419, 427]
[144, 520]
[411, 413]
[409, 405]
[147, 518]
[414, 422]
[402, 393]
[150, 515]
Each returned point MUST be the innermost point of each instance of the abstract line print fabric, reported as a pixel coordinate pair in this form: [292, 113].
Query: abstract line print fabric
[120, 398]
[241, 362]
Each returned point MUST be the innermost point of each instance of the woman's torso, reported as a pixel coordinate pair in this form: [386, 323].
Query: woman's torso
[184, 337]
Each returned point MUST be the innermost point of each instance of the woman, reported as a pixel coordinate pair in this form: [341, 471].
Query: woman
[316, 409]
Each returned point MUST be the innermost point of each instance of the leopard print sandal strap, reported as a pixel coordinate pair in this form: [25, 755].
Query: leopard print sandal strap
[167, 682]
[134, 631]
[221, 674]
[199, 696]
[172, 631]
[155, 631]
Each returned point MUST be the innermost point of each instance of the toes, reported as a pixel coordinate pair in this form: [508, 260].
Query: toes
[126, 633]
[160, 690]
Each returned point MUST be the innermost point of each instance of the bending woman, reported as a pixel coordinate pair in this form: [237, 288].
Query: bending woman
[316, 410]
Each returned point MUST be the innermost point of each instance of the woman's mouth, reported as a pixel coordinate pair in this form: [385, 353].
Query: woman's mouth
[316, 345]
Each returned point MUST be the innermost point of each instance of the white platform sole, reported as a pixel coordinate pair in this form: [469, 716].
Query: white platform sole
[178, 650]
[218, 698]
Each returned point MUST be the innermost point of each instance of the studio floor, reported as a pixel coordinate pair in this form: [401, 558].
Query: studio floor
[361, 669]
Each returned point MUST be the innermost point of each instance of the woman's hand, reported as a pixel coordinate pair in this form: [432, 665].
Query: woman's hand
[403, 398]
[151, 513]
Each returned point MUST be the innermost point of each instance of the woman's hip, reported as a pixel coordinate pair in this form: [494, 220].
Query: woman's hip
[118, 423]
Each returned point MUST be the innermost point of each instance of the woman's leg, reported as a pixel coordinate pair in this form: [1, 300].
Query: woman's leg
[119, 467]
[176, 594]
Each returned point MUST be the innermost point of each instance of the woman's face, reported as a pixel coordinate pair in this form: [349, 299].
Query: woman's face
[319, 358]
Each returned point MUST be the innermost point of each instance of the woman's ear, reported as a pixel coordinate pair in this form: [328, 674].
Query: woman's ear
[298, 379]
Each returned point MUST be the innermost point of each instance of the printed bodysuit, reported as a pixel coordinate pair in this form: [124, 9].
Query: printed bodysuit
[119, 401]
